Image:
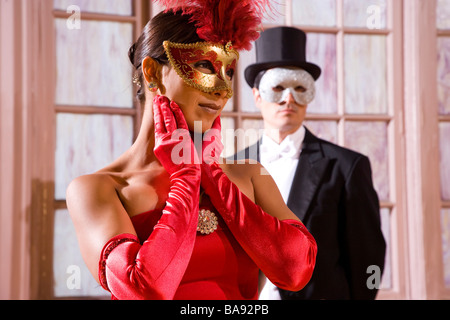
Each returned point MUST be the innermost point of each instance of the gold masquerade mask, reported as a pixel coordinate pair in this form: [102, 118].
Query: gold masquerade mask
[222, 60]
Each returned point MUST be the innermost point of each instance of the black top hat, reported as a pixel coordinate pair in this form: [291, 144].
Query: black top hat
[280, 47]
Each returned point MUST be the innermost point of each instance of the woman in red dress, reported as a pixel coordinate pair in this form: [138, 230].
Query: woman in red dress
[164, 221]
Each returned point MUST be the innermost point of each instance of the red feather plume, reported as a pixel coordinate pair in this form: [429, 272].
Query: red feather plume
[222, 21]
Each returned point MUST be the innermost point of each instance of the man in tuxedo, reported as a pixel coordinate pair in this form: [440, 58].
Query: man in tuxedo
[328, 187]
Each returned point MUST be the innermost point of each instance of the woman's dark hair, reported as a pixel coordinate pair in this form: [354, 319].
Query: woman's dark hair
[171, 26]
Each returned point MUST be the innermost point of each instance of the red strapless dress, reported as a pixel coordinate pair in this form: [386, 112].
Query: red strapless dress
[219, 268]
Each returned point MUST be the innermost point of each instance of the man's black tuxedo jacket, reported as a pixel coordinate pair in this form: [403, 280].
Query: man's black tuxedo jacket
[332, 193]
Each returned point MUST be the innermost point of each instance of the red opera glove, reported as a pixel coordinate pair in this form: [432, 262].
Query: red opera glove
[283, 250]
[170, 125]
[212, 146]
[154, 269]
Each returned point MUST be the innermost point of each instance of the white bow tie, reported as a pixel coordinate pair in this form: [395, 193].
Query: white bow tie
[275, 152]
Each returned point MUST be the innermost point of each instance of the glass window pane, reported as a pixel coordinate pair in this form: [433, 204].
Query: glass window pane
[156, 8]
[445, 226]
[92, 64]
[119, 7]
[86, 144]
[70, 275]
[444, 75]
[321, 50]
[249, 134]
[386, 281]
[444, 129]
[370, 139]
[314, 13]
[369, 14]
[365, 74]
[229, 106]
[443, 14]
[246, 102]
[326, 130]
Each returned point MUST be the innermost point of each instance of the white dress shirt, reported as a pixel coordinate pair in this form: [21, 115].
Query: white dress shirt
[281, 161]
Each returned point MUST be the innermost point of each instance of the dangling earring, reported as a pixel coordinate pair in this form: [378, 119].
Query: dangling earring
[153, 87]
[136, 80]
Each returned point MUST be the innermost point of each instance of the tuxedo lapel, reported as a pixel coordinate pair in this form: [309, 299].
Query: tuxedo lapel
[252, 152]
[310, 169]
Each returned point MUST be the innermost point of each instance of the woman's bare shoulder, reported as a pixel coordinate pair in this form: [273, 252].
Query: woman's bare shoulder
[97, 214]
[91, 191]
[96, 182]
[245, 168]
[242, 174]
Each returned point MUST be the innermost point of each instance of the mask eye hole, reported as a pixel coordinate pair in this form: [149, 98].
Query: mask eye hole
[204, 66]
[278, 88]
[230, 74]
[300, 89]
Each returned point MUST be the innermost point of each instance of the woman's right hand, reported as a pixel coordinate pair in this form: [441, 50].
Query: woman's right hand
[212, 145]
[170, 126]
[154, 269]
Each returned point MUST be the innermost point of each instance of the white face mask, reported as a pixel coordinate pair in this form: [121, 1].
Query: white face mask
[277, 83]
